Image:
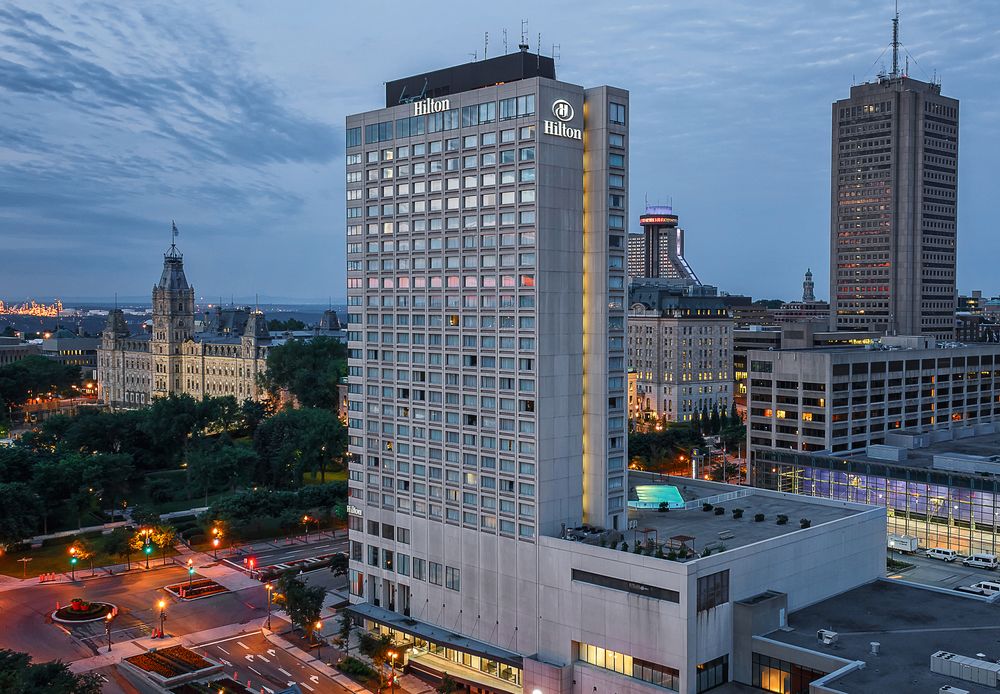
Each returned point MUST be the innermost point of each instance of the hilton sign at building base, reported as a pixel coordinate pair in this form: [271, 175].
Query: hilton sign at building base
[562, 130]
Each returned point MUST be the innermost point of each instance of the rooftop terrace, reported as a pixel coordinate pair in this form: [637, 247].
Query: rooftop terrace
[708, 528]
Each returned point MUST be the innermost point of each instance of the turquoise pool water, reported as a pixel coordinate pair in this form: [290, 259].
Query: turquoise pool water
[652, 495]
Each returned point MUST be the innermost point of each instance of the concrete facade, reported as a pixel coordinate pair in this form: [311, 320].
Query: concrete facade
[893, 202]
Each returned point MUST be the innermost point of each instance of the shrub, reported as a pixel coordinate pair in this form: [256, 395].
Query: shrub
[659, 553]
[672, 555]
[706, 507]
[624, 547]
[804, 523]
[352, 666]
[664, 507]
[706, 552]
[719, 510]
[737, 513]
[638, 548]
[759, 517]
[782, 519]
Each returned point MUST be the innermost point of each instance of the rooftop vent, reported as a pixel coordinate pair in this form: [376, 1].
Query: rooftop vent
[827, 637]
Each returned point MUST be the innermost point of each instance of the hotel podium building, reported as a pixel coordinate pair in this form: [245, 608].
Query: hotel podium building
[486, 245]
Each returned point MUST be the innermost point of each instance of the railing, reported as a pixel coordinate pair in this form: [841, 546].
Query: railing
[717, 499]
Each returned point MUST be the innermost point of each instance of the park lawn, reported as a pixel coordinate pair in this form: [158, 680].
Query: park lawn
[314, 478]
[55, 558]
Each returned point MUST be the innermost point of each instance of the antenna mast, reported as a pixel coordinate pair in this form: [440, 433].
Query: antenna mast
[895, 43]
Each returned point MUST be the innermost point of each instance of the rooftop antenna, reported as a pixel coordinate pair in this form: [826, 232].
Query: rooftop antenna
[556, 52]
[486, 46]
[505, 42]
[474, 56]
[538, 53]
[895, 42]
[173, 238]
[524, 31]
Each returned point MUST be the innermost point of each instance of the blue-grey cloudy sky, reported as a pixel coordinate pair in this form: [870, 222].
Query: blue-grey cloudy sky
[228, 117]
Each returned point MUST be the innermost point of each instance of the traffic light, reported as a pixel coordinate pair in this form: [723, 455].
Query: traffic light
[72, 560]
[148, 549]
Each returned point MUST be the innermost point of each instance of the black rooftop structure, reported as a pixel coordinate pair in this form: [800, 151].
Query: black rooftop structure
[460, 78]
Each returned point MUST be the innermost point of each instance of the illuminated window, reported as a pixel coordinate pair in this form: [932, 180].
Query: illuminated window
[807, 416]
[781, 414]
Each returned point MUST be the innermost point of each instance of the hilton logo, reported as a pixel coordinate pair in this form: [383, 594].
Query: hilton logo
[427, 106]
[563, 110]
[562, 130]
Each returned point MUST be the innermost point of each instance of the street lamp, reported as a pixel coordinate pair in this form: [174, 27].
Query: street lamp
[163, 614]
[270, 593]
[72, 561]
[319, 641]
[392, 678]
[190, 572]
[107, 627]
[305, 522]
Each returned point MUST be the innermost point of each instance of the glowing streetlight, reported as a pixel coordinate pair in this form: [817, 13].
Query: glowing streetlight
[319, 641]
[162, 604]
[392, 677]
[190, 572]
[72, 561]
[270, 595]
[107, 627]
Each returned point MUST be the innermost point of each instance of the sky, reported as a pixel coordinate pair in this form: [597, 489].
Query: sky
[228, 117]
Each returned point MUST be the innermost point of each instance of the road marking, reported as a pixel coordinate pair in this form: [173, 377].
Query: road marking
[314, 678]
[307, 686]
[227, 663]
[240, 643]
[284, 672]
[257, 672]
[249, 657]
[230, 638]
[271, 652]
[263, 658]
[223, 649]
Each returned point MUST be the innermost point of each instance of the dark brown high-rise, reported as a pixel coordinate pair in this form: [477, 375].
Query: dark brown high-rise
[894, 207]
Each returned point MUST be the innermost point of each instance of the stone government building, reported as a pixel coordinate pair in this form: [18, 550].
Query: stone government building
[223, 358]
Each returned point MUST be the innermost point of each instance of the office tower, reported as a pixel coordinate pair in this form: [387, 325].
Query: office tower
[486, 316]
[894, 177]
[636, 259]
[663, 248]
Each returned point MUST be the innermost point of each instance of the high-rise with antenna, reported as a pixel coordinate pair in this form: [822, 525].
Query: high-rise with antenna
[893, 205]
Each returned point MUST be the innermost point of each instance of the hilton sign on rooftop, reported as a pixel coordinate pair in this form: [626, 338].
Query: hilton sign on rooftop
[428, 106]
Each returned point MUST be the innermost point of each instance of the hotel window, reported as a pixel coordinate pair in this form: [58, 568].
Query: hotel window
[418, 564]
[616, 140]
[644, 670]
[713, 590]
[616, 180]
[774, 675]
[525, 105]
[616, 113]
[616, 160]
[452, 578]
[434, 573]
[354, 137]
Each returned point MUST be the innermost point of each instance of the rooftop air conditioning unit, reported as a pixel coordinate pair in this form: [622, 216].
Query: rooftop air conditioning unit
[826, 636]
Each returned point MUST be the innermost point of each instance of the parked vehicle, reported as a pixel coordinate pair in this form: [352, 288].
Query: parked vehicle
[902, 543]
[942, 553]
[982, 561]
[988, 587]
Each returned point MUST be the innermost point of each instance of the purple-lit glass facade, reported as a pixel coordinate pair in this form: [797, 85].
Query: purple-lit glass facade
[940, 509]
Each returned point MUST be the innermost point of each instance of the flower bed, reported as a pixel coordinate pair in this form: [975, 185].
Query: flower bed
[169, 662]
[202, 588]
[79, 610]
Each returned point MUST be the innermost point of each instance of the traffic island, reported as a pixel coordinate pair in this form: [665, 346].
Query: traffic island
[196, 590]
[171, 667]
[79, 611]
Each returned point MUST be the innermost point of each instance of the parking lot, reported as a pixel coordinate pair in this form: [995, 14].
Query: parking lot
[941, 574]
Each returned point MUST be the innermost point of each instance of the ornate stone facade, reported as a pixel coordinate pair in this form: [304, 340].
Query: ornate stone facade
[174, 358]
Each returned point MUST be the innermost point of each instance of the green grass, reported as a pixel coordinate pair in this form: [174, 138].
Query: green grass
[55, 558]
[314, 478]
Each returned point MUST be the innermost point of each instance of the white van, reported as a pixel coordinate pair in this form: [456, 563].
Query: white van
[942, 554]
[988, 587]
[981, 561]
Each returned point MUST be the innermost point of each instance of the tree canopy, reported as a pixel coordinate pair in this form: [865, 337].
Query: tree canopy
[295, 441]
[308, 369]
[34, 376]
[18, 675]
[302, 602]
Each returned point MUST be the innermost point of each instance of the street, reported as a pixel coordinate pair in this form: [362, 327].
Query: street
[26, 610]
[256, 662]
[283, 552]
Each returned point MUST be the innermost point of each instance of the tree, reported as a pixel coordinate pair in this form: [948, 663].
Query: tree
[302, 602]
[18, 675]
[376, 647]
[83, 551]
[715, 422]
[35, 376]
[344, 631]
[339, 564]
[295, 441]
[118, 543]
[276, 325]
[20, 513]
[309, 370]
[110, 473]
[448, 685]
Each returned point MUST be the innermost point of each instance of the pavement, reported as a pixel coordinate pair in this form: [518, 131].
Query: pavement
[940, 574]
[236, 618]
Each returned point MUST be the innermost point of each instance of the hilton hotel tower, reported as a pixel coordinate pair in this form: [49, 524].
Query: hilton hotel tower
[486, 208]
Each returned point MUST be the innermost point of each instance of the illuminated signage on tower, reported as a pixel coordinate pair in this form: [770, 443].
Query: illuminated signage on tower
[564, 111]
[427, 106]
